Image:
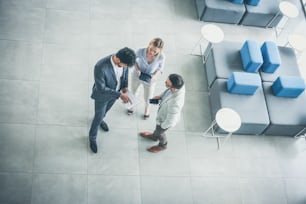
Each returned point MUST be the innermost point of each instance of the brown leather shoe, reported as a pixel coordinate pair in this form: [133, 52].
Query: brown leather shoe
[157, 148]
[147, 135]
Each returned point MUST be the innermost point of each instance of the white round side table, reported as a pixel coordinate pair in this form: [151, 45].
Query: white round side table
[297, 42]
[289, 10]
[211, 33]
[228, 120]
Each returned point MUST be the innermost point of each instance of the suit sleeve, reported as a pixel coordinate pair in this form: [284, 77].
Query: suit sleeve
[100, 75]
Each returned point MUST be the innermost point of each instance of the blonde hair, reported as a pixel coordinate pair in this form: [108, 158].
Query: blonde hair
[157, 42]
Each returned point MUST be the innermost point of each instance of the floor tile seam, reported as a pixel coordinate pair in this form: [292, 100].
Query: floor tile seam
[215, 177]
[120, 175]
[113, 175]
[39, 86]
[68, 10]
[302, 176]
[87, 188]
[242, 177]
[89, 112]
[73, 82]
[66, 45]
[139, 161]
[10, 79]
[22, 41]
[15, 172]
[295, 177]
[237, 155]
[260, 177]
[279, 175]
[89, 84]
[285, 190]
[165, 175]
[188, 153]
[57, 173]
[211, 155]
[240, 187]
[60, 125]
[69, 45]
[26, 6]
[36, 116]
[19, 123]
[121, 128]
[28, 41]
[148, 155]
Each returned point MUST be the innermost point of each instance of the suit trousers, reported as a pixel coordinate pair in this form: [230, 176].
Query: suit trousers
[159, 133]
[101, 108]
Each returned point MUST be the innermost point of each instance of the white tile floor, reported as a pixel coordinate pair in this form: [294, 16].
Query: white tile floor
[48, 49]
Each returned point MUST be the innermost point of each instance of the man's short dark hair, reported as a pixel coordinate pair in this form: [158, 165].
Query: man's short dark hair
[176, 80]
[127, 56]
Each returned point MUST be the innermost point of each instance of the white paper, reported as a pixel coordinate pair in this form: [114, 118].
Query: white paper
[134, 100]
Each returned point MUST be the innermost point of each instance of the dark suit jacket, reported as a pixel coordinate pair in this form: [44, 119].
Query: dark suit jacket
[105, 85]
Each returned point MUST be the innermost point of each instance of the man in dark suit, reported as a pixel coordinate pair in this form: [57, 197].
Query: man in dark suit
[111, 82]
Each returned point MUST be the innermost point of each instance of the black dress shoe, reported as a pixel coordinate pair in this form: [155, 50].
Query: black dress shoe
[93, 146]
[104, 126]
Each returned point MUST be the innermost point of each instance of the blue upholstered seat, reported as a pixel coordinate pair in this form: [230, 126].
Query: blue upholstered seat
[252, 2]
[251, 56]
[243, 83]
[237, 1]
[271, 57]
[288, 67]
[288, 86]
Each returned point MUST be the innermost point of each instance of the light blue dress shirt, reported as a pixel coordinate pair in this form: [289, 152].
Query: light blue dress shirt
[149, 68]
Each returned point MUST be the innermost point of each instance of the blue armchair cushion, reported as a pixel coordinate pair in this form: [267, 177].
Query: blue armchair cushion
[251, 56]
[271, 57]
[252, 2]
[243, 83]
[237, 1]
[288, 86]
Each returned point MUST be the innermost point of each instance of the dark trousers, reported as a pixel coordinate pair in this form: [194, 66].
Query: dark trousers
[101, 108]
[159, 133]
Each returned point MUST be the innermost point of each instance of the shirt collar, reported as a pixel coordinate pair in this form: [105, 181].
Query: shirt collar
[113, 63]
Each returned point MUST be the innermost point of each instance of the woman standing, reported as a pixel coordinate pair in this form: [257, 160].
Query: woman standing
[149, 65]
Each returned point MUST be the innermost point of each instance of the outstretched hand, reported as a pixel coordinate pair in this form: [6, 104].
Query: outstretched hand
[157, 97]
[125, 98]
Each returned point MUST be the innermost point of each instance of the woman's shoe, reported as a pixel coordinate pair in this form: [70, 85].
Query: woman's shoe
[145, 117]
[130, 112]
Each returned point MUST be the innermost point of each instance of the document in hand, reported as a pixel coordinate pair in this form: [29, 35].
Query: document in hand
[133, 100]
